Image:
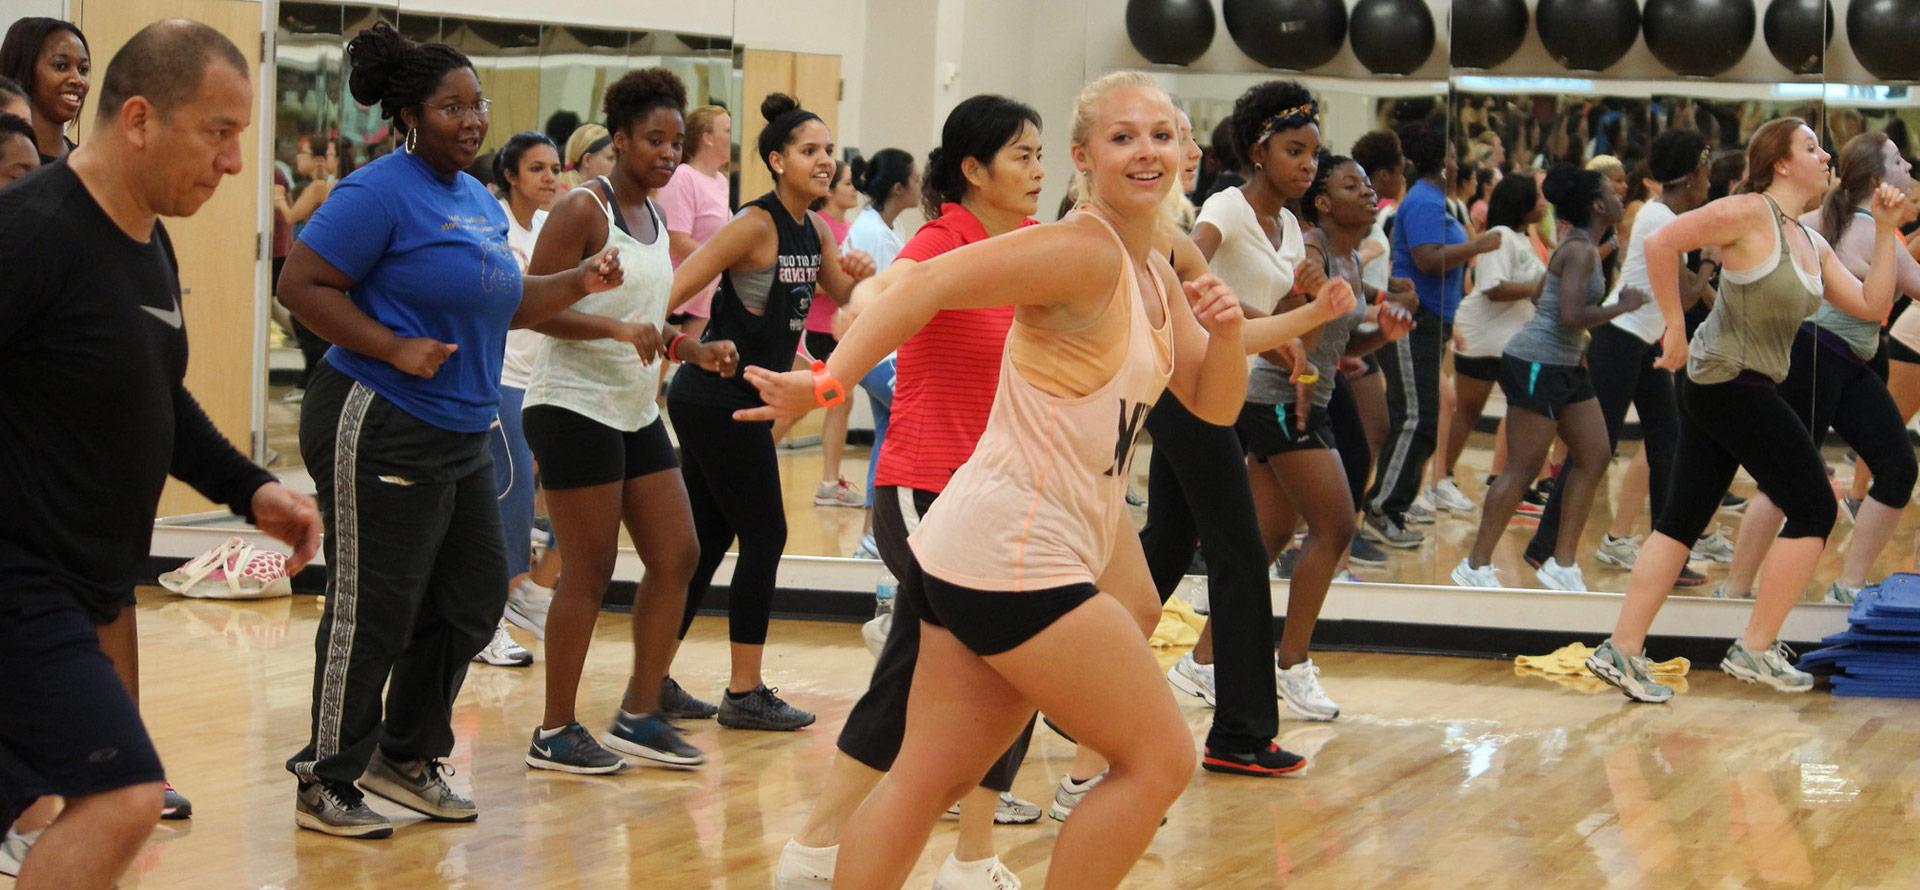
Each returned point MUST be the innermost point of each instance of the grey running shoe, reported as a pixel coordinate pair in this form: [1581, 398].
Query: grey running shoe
[1772, 667]
[761, 709]
[1420, 512]
[419, 787]
[679, 704]
[1384, 529]
[1714, 547]
[1363, 552]
[572, 750]
[1618, 552]
[175, 805]
[1068, 795]
[1628, 673]
[651, 737]
[1009, 810]
[338, 808]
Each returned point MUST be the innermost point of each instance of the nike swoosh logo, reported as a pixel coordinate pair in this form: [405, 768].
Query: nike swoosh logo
[544, 752]
[170, 316]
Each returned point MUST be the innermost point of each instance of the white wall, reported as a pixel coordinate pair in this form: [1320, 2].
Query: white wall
[18, 9]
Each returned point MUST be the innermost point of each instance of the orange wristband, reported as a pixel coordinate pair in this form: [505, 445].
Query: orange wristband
[826, 391]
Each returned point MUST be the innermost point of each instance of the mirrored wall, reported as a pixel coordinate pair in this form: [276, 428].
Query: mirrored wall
[544, 77]
[1519, 86]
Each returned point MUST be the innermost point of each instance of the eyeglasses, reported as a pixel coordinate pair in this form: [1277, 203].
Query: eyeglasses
[460, 110]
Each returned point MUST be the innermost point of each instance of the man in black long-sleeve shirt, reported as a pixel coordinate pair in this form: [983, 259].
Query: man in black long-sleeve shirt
[94, 416]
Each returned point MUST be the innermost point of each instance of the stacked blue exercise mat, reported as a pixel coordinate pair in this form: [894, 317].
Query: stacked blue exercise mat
[1879, 654]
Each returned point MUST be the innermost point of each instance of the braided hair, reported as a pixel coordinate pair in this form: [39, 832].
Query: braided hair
[396, 73]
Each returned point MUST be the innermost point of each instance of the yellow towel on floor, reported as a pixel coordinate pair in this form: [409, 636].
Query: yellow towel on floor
[1567, 667]
[1179, 625]
[1571, 659]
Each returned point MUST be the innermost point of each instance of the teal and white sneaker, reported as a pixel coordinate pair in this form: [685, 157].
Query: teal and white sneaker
[572, 750]
[1628, 673]
[651, 737]
[1771, 667]
[1843, 593]
[1714, 547]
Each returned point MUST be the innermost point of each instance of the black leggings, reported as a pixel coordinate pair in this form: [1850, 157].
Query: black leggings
[733, 484]
[1350, 437]
[1197, 490]
[1831, 388]
[1744, 423]
[1620, 365]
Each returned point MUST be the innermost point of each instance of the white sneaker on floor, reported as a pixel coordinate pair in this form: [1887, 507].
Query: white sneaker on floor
[13, 851]
[1299, 687]
[527, 606]
[1068, 795]
[805, 868]
[1771, 667]
[1559, 577]
[1714, 547]
[503, 651]
[1447, 496]
[874, 632]
[1192, 678]
[1465, 575]
[985, 874]
[1009, 810]
[840, 493]
[1618, 552]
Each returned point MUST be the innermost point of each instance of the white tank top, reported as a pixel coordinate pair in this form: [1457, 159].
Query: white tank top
[1042, 502]
[605, 380]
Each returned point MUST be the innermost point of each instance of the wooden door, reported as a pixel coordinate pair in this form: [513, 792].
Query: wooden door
[816, 83]
[217, 247]
[761, 72]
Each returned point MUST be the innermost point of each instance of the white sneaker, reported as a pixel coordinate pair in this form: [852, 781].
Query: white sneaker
[1559, 577]
[1714, 547]
[805, 868]
[13, 851]
[1447, 496]
[868, 549]
[838, 494]
[1843, 593]
[1771, 667]
[1068, 795]
[1618, 552]
[984, 874]
[1299, 687]
[527, 606]
[503, 651]
[874, 632]
[1192, 678]
[1465, 575]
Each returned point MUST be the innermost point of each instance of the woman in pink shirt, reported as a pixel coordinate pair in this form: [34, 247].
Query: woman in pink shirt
[695, 200]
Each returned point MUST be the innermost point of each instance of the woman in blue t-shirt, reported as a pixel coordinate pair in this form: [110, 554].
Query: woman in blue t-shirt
[1430, 247]
[406, 269]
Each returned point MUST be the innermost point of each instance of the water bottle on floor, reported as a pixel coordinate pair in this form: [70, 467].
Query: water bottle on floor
[875, 632]
[883, 593]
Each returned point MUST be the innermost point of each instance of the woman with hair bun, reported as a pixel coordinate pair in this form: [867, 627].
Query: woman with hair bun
[407, 270]
[1733, 416]
[594, 422]
[1544, 378]
[770, 259]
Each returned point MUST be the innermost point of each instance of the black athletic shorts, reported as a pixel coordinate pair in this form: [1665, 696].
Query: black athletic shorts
[576, 451]
[1479, 367]
[69, 726]
[1901, 352]
[990, 622]
[820, 346]
[1267, 430]
[1543, 389]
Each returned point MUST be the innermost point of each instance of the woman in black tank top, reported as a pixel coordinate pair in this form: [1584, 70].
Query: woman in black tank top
[770, 259]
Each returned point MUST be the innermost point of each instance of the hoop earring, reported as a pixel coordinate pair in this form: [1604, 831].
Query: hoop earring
[413, 139]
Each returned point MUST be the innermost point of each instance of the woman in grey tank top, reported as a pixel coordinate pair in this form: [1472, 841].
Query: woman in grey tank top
[1545, 381]
[1776, 273]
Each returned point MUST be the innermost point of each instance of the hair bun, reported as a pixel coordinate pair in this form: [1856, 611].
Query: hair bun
[857, 169]
[1561, 184]
[374, 54]
[776, 104]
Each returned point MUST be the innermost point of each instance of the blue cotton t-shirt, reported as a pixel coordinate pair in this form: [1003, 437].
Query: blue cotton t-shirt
[429, 258]
[1422, 218]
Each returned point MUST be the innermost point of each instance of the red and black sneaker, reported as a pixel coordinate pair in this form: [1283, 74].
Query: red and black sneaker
[1272, 762]
[1689, 578]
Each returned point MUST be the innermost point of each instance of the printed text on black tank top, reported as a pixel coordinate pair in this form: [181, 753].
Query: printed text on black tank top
[1131, 416]
[801, 274]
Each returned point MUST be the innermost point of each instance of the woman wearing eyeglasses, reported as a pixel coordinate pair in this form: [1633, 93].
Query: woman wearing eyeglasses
[407, 270]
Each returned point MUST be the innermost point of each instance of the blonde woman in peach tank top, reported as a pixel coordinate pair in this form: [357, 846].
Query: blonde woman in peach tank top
[1029, 555]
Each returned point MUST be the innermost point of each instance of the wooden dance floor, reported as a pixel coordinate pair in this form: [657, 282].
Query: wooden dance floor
[1441, 772]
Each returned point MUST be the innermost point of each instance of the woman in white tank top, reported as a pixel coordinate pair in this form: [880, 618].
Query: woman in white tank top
[594, 423]
[1023, 546]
